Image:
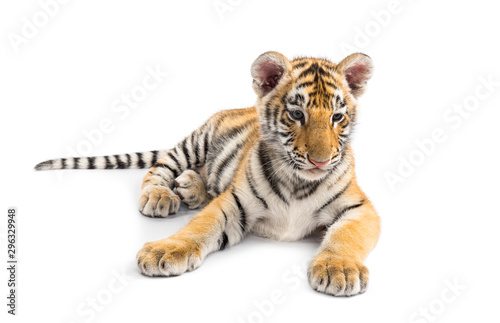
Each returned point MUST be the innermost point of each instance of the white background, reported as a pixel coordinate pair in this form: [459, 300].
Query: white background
[77, 229]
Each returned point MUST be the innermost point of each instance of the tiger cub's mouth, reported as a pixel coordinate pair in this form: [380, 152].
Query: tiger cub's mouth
[316, 172]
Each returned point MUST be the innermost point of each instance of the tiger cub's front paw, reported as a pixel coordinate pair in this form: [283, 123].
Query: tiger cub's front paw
[338, 277]
[168, 257]
[158, 201]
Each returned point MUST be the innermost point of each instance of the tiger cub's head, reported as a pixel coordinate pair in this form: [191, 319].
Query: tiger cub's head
[307, 108]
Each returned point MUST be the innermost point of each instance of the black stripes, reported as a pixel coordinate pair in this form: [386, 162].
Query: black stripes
[196, 150]
[347, 209]
[225, 137]
[243, 217]
[205, 147]
[174, 171]
[328, 281]
[333, 198]
[268, 170]
[63, 163]
[91, 162]
[339, 102]
[224, 241]
[154, 159]
[186, 153]
[268, 114]
[331, 84]
[314, 69]
[108, 163]
[171, 156]
[252, 187]
[119, 163]
[304, 84]
[201, 152]
[223, 165]
[300, 64]
[307, 190]
[76, 163]
[140, 161]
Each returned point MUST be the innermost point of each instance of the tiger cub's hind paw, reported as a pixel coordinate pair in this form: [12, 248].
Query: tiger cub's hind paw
[191, 189]
[158, 201]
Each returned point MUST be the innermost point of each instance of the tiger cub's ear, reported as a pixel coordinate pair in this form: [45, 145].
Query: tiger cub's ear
[357, 69]
[267, 71]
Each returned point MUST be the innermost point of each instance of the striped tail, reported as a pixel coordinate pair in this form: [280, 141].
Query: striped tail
[123, 161]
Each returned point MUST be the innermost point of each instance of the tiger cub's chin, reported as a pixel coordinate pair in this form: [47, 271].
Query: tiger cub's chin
[313, 174]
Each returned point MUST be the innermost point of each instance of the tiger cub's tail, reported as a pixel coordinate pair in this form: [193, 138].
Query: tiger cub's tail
[123, 161]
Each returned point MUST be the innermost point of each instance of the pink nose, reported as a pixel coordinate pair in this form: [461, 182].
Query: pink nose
[319, 164]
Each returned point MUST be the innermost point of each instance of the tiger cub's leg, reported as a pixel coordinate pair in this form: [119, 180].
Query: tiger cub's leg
[338, 267]
[157, 197]
[220, 224]
[191, 189]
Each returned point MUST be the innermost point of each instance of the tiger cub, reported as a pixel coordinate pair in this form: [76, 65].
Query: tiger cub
[280, 170]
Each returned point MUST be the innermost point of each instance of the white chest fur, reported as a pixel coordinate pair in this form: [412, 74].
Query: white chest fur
[287, 222]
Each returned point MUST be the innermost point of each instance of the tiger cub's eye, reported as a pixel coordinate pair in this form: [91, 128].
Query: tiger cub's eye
[337, 117]
[297, 115]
